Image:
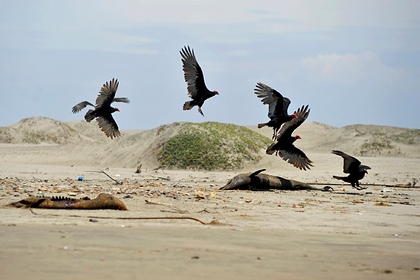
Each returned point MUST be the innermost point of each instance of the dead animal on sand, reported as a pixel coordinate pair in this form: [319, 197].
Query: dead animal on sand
[102, 201]
[260, 181]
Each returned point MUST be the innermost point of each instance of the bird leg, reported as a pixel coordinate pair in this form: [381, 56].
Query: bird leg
[275, 134]
[357, 186]
[199, 110]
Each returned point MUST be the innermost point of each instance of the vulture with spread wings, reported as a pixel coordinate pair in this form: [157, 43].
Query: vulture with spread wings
[354, 167]
[194, 78]
[277, 107]
[103, 109]
[284, 147]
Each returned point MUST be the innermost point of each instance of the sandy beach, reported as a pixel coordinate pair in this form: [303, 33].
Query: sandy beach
[346, 234]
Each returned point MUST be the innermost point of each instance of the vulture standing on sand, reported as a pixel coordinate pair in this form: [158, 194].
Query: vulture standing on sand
[284, 147]
[277, 107]
[194, 78]
[354, 167]
[103, 109]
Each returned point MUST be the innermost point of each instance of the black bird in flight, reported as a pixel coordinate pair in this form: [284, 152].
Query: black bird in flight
[284, 147]
[194, 78]
[103, 109]
[354, 167]
[277, 107]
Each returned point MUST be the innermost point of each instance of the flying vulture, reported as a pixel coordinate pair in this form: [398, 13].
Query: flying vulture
[284, 147]
[277, 107]
[103, 109]
[194, 78]
[354, 167]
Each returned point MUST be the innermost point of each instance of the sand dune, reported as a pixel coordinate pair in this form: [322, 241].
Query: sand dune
[358, 140]
[82, 143]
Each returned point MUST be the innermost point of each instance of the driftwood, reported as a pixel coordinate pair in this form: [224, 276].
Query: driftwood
[101, 171]
[214, 222]
[138, 170]
[102, 201]
[260, 181]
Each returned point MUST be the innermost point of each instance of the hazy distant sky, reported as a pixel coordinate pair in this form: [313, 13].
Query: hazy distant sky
[351, 61]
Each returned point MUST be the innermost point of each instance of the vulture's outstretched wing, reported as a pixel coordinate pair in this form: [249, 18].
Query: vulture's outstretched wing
[108, 126]
[277, 104]
[121, 99]
[295, 157]
[193, 74]
[107, 94]
[77, 108]
[288, 127]
[351, 164]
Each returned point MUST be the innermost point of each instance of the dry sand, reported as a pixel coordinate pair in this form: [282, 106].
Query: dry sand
[371, 234]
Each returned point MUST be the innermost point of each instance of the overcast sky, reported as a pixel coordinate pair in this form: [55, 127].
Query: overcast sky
[353, 62]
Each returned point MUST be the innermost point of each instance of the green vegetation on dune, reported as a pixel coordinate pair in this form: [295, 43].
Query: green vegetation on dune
[5, 135]
[378, 147]
[383, 143]
[212, 146]
[408, 137]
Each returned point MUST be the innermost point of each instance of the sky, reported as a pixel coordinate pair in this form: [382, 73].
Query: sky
[353, 62]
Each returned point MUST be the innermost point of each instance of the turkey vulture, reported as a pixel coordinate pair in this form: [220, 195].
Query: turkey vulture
[354, 167]
[194, 78]
[284, 147]
[277, 107]
[103, 109]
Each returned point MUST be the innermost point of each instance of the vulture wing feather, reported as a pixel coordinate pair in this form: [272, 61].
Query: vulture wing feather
[288, 127]
[107, 94]
[296, 157]
[121, 99]
[108, 126]
[271, 97]
[77, 108]
[193, 74]
[351, 164]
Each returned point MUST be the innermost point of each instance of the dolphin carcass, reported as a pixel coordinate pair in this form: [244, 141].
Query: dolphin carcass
[260, 181]
[102, 201]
